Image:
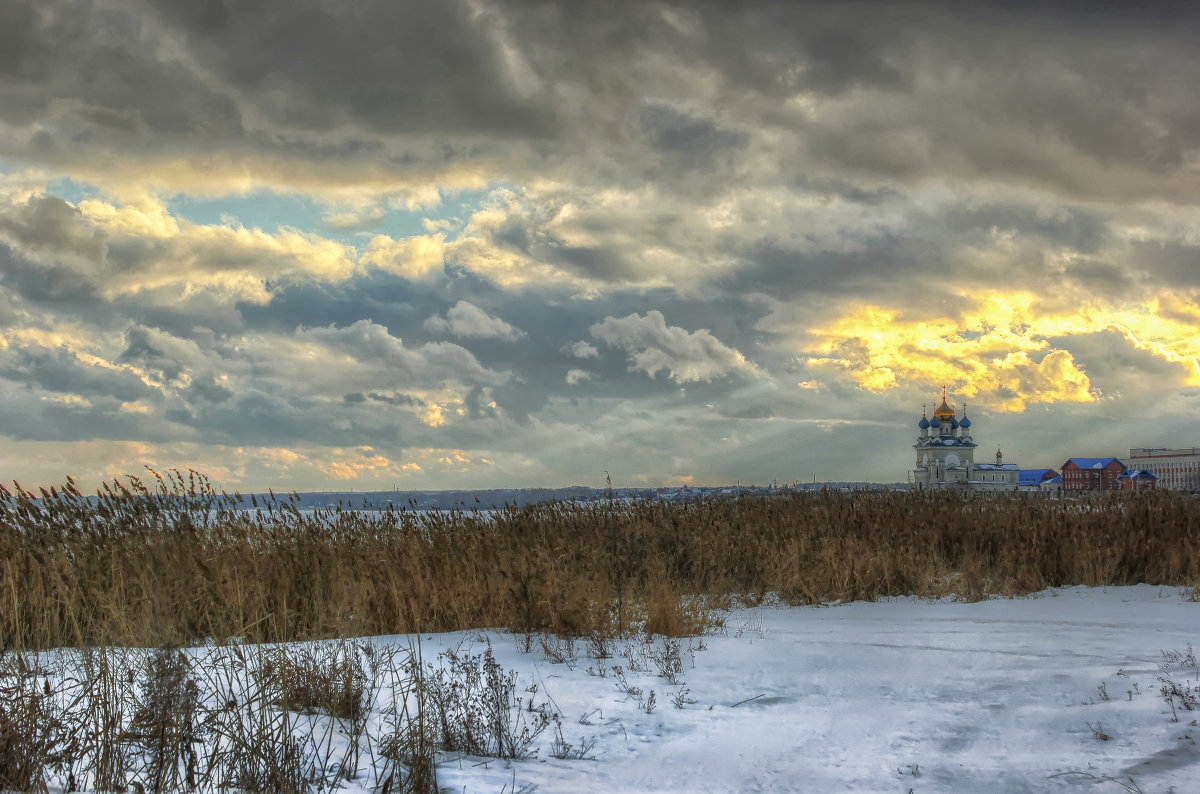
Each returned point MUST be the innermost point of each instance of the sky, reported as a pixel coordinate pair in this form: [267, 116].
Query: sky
[466, 243]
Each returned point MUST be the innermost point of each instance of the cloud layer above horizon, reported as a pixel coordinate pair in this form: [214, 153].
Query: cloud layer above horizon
[502, 244]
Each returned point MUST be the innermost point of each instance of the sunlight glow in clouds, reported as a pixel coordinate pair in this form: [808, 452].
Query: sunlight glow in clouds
[1000, 348]
[493, 244]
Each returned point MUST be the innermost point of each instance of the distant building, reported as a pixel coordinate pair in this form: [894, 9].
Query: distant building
[946, 457]
[1137, 480]
[945, 450]
[1092, 474]
[998, 476]
[1040, 480]
[1176, 469]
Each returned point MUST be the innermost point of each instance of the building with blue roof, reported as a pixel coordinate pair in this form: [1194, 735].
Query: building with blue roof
[1039, 480]
[1092, 474]
[945, 460]
[945, 457]
[1176, 469]
[1137, 480]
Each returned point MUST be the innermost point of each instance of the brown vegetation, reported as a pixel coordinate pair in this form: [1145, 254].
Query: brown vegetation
[252, 718]
[167, 560]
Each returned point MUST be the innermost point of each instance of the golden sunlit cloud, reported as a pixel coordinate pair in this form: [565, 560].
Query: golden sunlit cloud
[1000, 347]
[73, 400]
[226, 259]
[442, 459]
[143, 218]
[96, 461]
[415, 258]
[352, 464]
[433, 415]
[65, 336]
[1180, 351]
[93, 462]
[278, 457]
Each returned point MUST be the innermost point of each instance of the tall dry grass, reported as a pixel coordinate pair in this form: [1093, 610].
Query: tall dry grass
[167, 560]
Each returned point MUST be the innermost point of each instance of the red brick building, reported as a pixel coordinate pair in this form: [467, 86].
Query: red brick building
[1137, 480]
[1092, 474]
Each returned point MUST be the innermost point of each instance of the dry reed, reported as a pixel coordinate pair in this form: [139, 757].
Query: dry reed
[166, 560]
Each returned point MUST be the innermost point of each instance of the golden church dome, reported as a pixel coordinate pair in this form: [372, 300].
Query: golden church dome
[944, 412]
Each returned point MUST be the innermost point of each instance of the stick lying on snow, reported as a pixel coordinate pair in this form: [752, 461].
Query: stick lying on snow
[747, 700]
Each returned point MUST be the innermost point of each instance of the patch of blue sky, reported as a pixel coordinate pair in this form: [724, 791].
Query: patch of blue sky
[458, 207]
[259, 210]
[70, 190]
[271, 211]
[8, 166]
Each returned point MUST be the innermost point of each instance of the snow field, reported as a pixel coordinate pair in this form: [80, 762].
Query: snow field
[1059, 691]
[992, 696]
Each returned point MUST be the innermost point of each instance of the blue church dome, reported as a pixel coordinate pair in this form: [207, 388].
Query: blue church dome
[935, 422]
[965, 422]
[954, 423]
[923, 424]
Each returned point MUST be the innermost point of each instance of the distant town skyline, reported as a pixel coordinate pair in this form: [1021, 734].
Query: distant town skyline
[474, 244]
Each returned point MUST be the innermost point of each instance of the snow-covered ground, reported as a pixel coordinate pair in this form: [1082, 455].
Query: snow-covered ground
[1061, 691]
[995, 696]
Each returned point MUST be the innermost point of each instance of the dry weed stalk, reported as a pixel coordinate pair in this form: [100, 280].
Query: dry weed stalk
[168, 560]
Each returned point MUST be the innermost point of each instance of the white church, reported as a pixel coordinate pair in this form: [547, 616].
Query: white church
[946, 457]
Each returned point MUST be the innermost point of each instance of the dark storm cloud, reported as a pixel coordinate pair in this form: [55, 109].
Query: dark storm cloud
[410, 66]
[1117, 362]
[132, 83]
[61, 371]
[526, 231]
[306, 84]
[687, 148]
[140, 349]
[48, 252]
[789, 272]
[47, 223]
[207, 391]
[263, 418]
[402, 400]
[669, 131]
[17, 20]
[983, 89]
[1170, 263]
[894, 91]
[1080, 228]
[1108, 279]
[43, 281]
[927, 255]
[651, 217]
[209, 320]
[594, 263]
[431, 364]
[389, 300]
[101, 418]
[138, 346]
